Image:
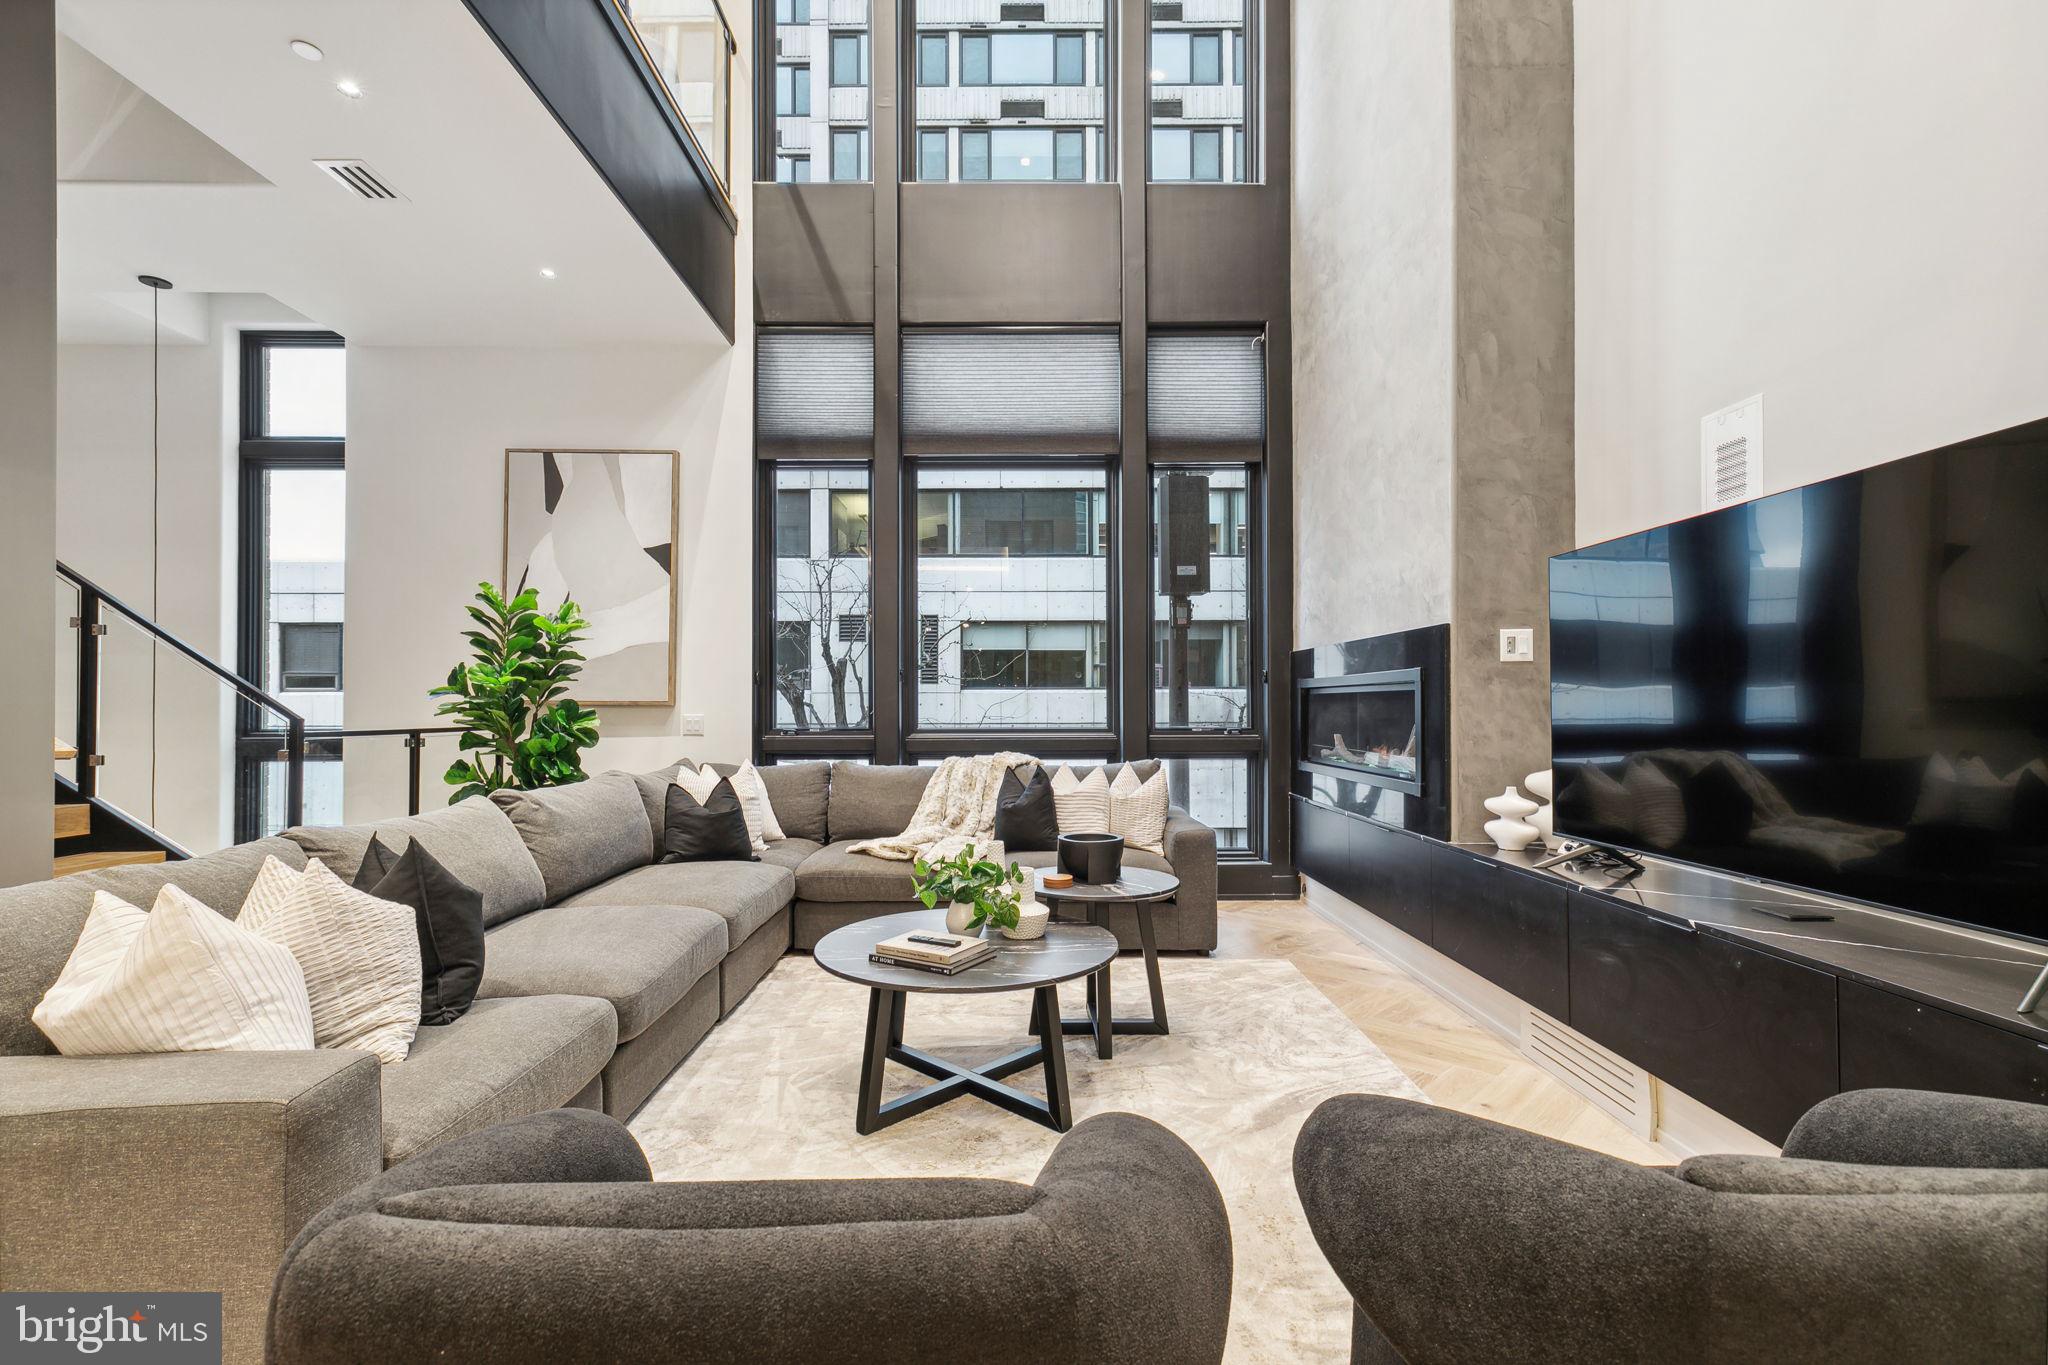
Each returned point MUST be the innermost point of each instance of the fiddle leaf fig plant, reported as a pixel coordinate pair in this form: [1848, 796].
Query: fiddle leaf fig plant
[984, 883]
[521, 728]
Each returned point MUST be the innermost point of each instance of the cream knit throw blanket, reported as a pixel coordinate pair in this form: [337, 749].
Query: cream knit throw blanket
[958, 808]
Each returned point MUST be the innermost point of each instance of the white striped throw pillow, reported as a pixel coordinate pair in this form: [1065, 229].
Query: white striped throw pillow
[1080, 805]
[361, 955]
[180, 978]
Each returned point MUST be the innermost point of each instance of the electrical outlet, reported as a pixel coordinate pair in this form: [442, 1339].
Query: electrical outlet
[693, 725]
[1518, 645]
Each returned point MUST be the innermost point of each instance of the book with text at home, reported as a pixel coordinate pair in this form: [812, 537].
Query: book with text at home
[945, 950]
[936, 968]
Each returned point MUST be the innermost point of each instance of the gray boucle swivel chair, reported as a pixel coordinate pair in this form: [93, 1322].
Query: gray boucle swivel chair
[1898, 1226]
[541, 1239]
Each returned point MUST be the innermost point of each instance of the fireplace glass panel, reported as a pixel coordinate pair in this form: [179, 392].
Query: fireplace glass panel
[1372, 730]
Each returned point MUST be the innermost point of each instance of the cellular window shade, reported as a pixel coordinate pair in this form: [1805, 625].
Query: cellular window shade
[1206, 395]
[1011, 393]
[814, 394]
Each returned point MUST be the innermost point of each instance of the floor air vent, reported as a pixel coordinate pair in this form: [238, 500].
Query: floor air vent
[358, 179]
[1614, 1086]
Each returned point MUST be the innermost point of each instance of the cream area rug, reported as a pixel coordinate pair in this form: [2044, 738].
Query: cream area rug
[1254, 1048]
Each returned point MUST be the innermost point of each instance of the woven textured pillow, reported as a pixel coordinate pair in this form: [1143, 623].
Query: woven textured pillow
[1137, 809]
[360, 955]
[1081, 804]
[180, 978]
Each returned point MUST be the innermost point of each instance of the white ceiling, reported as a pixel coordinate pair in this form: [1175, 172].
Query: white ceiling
[203, 173]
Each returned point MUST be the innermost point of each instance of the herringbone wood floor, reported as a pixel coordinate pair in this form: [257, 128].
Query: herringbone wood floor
[1460, 1063]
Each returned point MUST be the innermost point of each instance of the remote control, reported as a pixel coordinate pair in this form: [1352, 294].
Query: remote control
[935, 941]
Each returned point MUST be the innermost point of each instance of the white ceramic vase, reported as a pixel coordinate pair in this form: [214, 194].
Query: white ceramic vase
[1032, 917]
[958, 916]
[1511, 830]
[1544, 821]
[1539, 785]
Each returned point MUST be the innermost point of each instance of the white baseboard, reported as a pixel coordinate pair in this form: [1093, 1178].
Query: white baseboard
[1682, 1125]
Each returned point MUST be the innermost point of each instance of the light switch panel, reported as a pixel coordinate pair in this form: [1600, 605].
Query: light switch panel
[1518, 645]
[693, 725]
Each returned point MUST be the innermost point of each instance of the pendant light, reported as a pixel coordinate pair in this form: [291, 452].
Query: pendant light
[157, 284]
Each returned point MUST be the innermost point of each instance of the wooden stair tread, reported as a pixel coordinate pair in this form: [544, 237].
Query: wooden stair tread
[59, 751]
[110, 857]
[72, 819]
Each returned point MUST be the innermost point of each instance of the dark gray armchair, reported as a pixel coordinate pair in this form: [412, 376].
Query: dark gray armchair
[542, 1239]
[1898, 1226]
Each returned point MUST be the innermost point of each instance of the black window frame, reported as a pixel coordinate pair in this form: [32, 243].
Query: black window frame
[258, 743]
[772, 738]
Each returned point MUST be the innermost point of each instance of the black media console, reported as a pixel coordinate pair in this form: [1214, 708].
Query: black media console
[1680, 972]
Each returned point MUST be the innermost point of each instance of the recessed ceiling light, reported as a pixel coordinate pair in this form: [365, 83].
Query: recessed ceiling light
[302, 48]
[349, 88]
[547, 272]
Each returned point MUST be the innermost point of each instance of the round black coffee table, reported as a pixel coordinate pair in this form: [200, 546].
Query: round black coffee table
[1140, 888]
[1036, 965]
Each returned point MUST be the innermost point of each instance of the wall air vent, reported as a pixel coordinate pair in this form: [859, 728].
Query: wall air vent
[928, 650]
[1023, 14]
[1612, 1085]
[1732, 454]
[358, 179]
[1166, 108]
[1167, 14]
[1023, 109]
[853, 628]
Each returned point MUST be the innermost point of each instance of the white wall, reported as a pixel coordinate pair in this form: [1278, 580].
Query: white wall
[167, 764]
[1837, 203]
[428, 430]
[1373, 245]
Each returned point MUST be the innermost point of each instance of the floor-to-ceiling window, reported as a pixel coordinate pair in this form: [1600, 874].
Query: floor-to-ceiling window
[1201, 92]
[292, 566]
[1017, 92]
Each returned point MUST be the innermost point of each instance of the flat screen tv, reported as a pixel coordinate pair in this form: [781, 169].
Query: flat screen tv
[1842, 687]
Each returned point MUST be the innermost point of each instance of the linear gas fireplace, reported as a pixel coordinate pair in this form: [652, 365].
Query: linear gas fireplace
[1371, 728]
[1364, 726]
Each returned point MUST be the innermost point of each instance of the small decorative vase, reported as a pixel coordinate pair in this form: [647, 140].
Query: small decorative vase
[1545, 822]
[958, 916]
[1031, 920]
[1539, 785]
[1512, 830]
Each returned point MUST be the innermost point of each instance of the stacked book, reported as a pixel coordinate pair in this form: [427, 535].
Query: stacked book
[943, 953]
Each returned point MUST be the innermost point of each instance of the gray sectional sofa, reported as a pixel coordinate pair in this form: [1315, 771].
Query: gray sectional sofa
[603, 969]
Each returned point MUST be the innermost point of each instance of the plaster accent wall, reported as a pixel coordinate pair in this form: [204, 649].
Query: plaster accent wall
[428, 430]
[1433, 353]
[1513, 473]
[1836, 203]
[28, 342]
[1373, 249]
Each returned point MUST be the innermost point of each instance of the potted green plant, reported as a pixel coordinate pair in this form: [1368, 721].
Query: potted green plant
[977, 891]
[520, 726]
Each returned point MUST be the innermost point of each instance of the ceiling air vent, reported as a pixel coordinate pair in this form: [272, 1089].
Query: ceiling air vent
[1732, 453]
[358, 179]
[1023, 109]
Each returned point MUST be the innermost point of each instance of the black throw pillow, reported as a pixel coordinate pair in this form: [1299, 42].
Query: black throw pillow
[1718, 810]
[1026, 820]
[716, 829]
[450, 916]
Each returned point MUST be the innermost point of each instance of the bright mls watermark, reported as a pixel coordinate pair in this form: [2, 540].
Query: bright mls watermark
[174, 1329]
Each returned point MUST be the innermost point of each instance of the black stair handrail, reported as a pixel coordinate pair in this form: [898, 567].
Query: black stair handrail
[91, 630]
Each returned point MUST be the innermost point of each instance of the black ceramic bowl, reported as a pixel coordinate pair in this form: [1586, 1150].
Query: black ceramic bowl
[1094, 858]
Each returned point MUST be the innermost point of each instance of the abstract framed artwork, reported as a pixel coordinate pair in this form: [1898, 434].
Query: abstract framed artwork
[600, 526]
